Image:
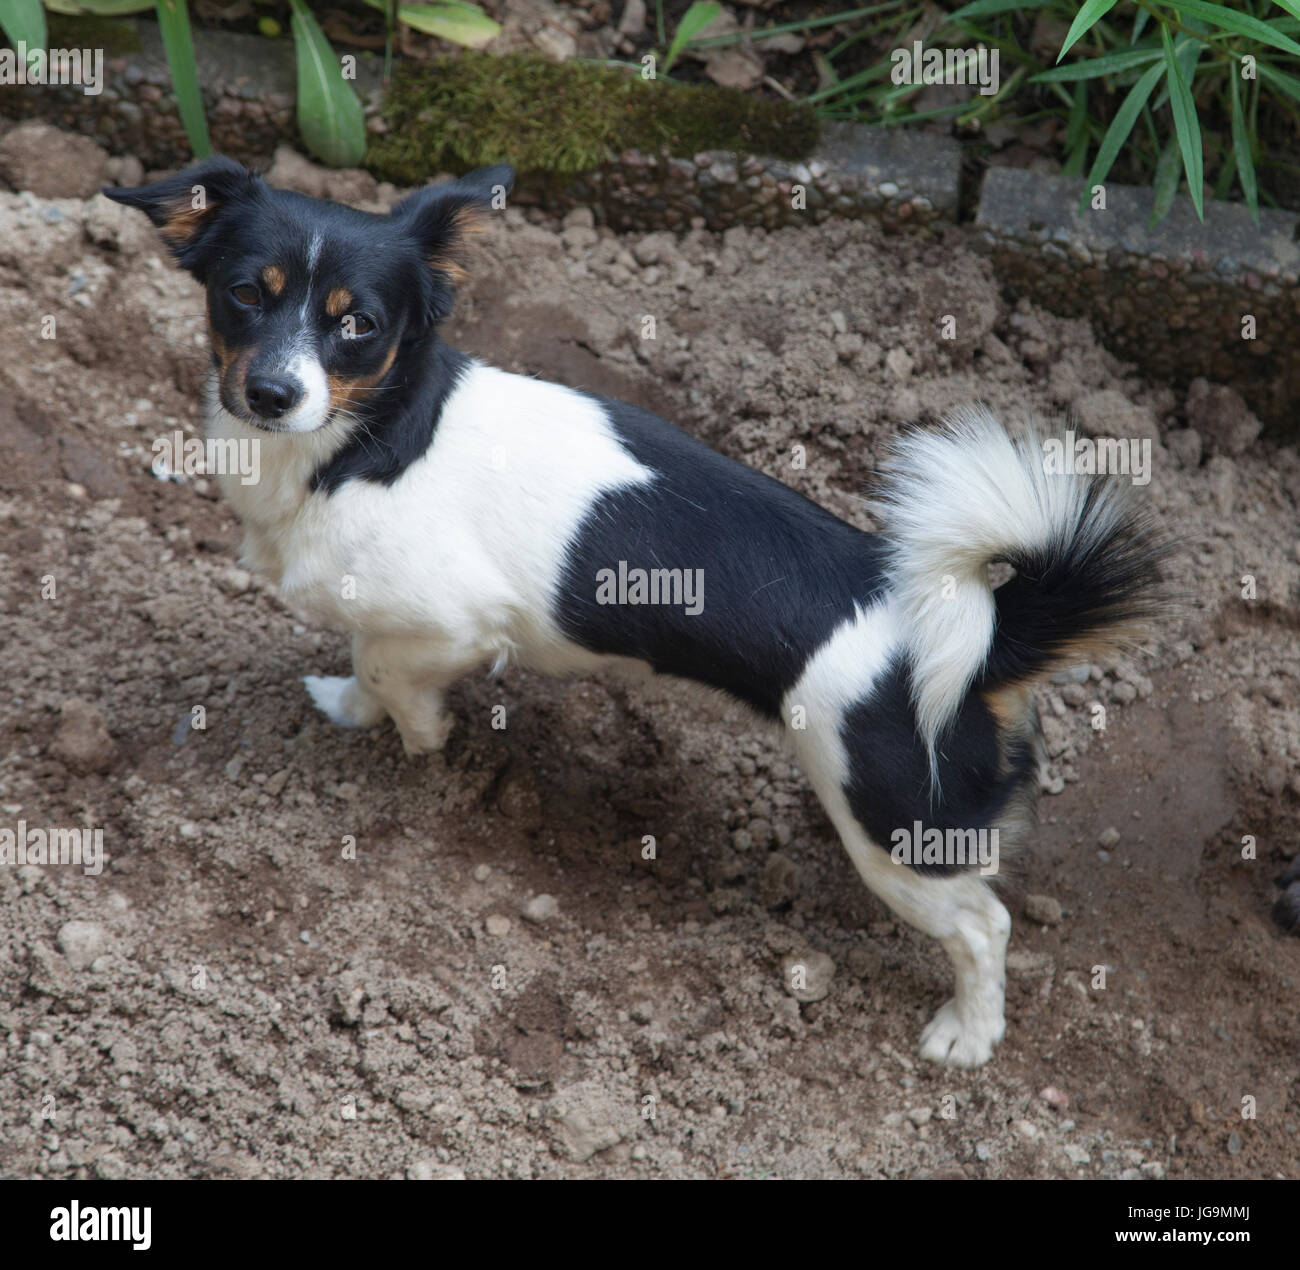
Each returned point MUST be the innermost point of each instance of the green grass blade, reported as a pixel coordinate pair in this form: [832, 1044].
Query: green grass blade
[1280, 80]
[453, 20]
[329, 114]
[1235, 23]
[99, 8]
[24, 23]
[694, 20]
[1120, 127]
[1166, 182]
[174, 24]
[1087, 17]
[984, 9]
[1241, 149]
[1094, 67]
[1186, 124]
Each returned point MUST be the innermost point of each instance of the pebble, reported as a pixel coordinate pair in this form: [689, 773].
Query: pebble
[1043, 909]
[778, 884]
[432, 1171]
[1108, 838]
[541, 909]
[817, 971]
[1077, 1155]
[498, 924]
[81, 942]
[1053, 1097]
[482, 873]
[82, 741]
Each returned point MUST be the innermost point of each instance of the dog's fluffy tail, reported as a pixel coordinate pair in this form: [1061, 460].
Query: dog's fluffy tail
[1089, 564]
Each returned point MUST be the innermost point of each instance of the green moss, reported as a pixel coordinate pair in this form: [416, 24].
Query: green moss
[116, 36]
[457, 113]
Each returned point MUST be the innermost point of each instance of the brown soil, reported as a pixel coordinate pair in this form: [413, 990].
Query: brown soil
[367, 1018]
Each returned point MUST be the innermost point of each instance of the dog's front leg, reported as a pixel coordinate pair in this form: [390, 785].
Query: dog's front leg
[402, 676]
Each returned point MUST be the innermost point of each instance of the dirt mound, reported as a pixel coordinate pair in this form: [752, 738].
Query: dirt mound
[307, 955]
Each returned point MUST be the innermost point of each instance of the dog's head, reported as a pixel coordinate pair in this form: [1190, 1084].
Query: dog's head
[310, 302]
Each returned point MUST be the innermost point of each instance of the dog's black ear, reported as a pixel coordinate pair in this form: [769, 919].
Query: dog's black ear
[442, 218]
[187, 206]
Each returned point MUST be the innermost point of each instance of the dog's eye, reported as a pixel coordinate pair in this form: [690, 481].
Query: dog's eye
[246, 294]
[356, 325]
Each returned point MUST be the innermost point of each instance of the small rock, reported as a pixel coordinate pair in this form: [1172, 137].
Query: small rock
[778, 884]
[633, 20]
[807, 977]
[1221, 416]
[432, 1171]
[898, 362]
[541, 909]
[1107, 412]
[1077, 1155]
[81, 942]
[1108, 838]
[920, 1115]
[51, 163]
[82, 741]
[1185, 445]
[1043, 910]
[1053, 1097]
[498, 924]
[587, 1120]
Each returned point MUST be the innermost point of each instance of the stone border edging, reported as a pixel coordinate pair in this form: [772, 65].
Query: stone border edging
[1171, 300]
[1177, 300]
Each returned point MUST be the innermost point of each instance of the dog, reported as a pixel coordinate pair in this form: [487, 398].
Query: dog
[451, 516]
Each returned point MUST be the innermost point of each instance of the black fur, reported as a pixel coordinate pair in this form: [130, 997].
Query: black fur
[397, 267]
[889, 784]
[391, 438]
[1075, 586]
[780, 573]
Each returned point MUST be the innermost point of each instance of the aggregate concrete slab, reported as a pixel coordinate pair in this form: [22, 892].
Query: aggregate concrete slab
[1182, 299]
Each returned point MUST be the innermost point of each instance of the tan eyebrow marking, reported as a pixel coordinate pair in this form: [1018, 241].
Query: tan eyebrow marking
[273, 276]
[338, 302]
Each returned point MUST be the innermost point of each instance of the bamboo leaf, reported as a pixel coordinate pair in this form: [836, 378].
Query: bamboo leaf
[1166, 182]
[174, 24]
[452, 20]
[985, 9]
[1186, 125]
[1235, 23]
[99, 8]
[1241, 150]
[329, 114]
[1125, 117]
[1094, 67]
[24, 23]
[1092, 12]
[694, 20]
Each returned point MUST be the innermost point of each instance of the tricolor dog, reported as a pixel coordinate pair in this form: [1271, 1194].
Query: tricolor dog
[452, 517]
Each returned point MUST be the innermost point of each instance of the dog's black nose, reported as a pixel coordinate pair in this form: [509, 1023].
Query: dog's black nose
[271, 397]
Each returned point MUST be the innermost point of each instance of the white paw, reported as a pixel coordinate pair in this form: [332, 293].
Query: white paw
[342, 702]
[955, 1041]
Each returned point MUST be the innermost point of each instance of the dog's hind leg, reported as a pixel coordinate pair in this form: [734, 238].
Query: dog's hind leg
[971, 924]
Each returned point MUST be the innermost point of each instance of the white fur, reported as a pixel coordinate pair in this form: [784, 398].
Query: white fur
[953, 500]
[961, 912]
[452, 567]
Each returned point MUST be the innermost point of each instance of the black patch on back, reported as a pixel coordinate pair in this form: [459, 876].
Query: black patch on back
[400, 428]
[779, 572]
[889, 771]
